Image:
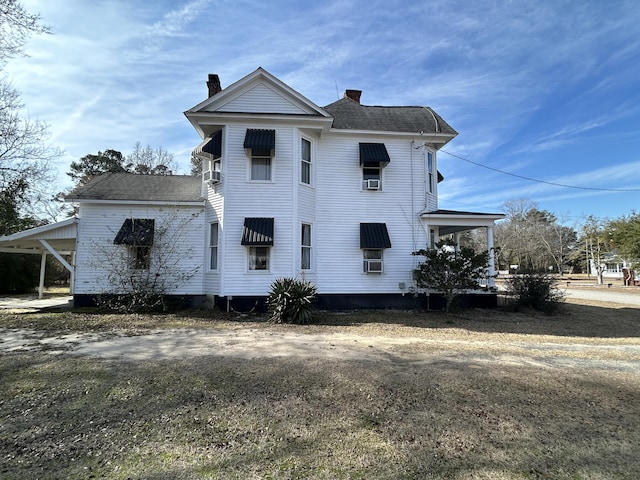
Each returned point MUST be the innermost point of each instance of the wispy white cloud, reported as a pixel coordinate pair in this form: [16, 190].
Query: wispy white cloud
[525, 83]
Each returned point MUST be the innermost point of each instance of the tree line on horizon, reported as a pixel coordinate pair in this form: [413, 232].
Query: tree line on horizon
[539, 241]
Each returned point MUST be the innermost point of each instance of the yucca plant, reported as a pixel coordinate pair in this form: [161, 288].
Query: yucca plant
[291, 301]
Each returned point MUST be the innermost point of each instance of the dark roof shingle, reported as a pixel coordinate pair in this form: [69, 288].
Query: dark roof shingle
[351, 115]
[127, 186]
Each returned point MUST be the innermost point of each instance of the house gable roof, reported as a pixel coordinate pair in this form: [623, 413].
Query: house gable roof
[263, 97]
[259, 92]
[349, 114]
[139, 188]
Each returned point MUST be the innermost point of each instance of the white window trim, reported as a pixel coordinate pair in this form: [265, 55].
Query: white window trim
[216, 246]
[363, 184]
[310, 162]
[272, 168]
[431, 172]
[269, 258]
[309, 247]
[136, 261]
[365, 260]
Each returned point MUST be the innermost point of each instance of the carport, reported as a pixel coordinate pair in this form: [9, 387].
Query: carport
[57, 239]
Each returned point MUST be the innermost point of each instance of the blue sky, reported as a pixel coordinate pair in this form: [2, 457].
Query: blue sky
[548, 90]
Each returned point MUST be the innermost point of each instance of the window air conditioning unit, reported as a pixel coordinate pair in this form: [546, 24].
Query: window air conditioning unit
[373, 184]
[373, 266]
[211, 176]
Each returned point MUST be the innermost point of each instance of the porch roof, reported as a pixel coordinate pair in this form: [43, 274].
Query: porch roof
[453, 221]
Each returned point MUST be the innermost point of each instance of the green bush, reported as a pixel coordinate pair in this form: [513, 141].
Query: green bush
[535, 290]
[291, 301]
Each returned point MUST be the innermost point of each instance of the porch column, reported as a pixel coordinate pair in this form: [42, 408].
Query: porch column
[456, 241]
[492, 259]
[43, 268]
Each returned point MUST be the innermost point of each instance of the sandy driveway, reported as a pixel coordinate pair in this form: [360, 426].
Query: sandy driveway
[264, 343]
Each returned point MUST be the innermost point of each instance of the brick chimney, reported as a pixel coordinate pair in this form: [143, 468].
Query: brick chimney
[353, 95]
[213, 84]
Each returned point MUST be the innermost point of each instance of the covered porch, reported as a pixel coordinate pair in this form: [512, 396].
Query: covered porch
[452, 222]
[56, 239]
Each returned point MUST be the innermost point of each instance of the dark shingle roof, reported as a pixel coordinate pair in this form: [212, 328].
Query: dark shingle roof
[351, 115]
[127, 186]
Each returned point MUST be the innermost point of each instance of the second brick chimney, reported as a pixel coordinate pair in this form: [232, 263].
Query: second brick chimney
[213, 84]
[353, 95]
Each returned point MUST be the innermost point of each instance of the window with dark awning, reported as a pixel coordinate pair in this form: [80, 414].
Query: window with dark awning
[373, 155]
[136, 232]
[440, 177]
[257, 231]
[374, 235]
[258, 139]
[210, 148]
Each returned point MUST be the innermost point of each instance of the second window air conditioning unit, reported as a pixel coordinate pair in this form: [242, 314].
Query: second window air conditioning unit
[373, 266]
[373, 184]
[211, 176]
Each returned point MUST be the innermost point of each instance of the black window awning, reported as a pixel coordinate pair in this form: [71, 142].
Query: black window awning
[373, 155]
[440, 177]
[257, 231]
[259, 139]
[136, 232]
[210, 148]
[374, 235]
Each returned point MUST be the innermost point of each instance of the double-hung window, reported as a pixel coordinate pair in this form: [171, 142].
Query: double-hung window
[139, 257]
[373, 158]
[213, 246]
[261, 165]
[305, 161]
[372, 260]
[372, 178]
[260, 145]
[257, 236]
[305, 247]
[374, 238]
[430, 171]
[259, 258]
[137, 235]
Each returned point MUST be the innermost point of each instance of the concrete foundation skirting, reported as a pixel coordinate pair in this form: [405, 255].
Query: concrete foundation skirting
[361, 301]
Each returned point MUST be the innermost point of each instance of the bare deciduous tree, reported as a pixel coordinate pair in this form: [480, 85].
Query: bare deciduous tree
[140, 281]
[25, 155]
[149, 161]
[16, 26]
[596, 245]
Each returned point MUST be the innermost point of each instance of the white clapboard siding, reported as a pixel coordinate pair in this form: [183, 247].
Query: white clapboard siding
[342, 205]
[99, 225]
[261, 99]
[244, 198]
[214, 213]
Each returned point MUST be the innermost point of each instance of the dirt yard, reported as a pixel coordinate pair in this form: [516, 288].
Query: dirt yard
[477, 395]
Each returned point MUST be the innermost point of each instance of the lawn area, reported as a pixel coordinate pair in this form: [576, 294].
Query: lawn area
[428, 411]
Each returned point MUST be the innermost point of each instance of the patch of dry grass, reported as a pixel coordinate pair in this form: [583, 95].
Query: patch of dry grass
[79, 418]
[220, 418]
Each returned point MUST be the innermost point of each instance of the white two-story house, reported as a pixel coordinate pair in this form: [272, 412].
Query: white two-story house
[339, 195]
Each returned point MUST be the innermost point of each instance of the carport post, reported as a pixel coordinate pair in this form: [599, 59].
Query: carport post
[43, 268]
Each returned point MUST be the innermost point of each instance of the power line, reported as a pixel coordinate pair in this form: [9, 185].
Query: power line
[555, 184]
